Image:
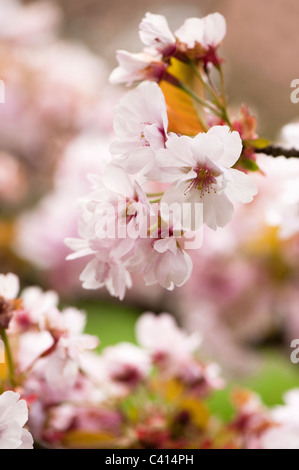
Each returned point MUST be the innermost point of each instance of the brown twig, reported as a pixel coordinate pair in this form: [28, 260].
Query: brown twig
[277, 151]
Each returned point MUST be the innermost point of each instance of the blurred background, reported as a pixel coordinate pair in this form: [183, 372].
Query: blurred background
[56, 125]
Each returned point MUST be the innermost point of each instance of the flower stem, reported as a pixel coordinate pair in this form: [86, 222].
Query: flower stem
[223, 89]
[277, 151]
[211, 90]
[199, 100]
[11, 368]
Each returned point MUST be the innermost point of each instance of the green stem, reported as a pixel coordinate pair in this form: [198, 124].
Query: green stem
[223, 88]
[208, 87]
[199, 100]
[11, 368]
[222, 106]
[226, 118]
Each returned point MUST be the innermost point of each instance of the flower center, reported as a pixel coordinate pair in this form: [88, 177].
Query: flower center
[203, 181]
[129, 375]
[143, 139]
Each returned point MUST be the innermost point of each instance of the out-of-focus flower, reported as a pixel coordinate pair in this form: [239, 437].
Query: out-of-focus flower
[258, 427]
[13, 185]
[13, 417]
[22, 24]
[133, 396]
[40, 231]
[283, 207]
[158, 334]
[125, 366]
[285, 433]
[288, 413]
[35, 304]
[281, 437]
[77, 82]
[53, 89]
[62, 366]
[58, 345]
[9, 288]
[289, 135]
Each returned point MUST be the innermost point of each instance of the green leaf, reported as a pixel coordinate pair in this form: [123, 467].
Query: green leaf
[258, 143]
[249, 164]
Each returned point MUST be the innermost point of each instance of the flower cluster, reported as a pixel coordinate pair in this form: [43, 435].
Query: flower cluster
[163, 183]
[148, 207]
[73, 392]
[130, 396]
[196, 40]
[256, 427]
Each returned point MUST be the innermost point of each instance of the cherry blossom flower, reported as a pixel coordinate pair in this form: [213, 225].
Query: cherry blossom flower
[125, 366]
[104, 270]
[161, 260]
[62, 365]
[281, 437]
[13, 417]
[113, 216]
[55, 351]
[288, 413]
[200, 169]
[200, 37]
[41, 230]
[13, 184]
[197, 38]
[282, 209]
[25, 23]
[154, 32]
[9, 286]
[119, 231]
[284, 212]
[159, 333]
[140, 126]
[201, 379]
[284, 434]
[148, 64]
[137, 67]
[35, 305]
[78, 417]
[289, 135]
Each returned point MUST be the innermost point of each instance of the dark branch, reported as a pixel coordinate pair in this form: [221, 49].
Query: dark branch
[276, 151]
